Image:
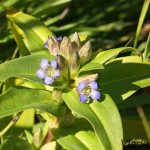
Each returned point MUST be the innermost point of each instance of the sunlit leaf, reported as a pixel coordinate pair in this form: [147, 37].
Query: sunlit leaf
[101, 114]
[19, 98]
[30, 33]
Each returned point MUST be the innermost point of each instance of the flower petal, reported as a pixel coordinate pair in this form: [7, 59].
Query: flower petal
[93, 85]
[95, 95]
[40, 73]
[56, 74]
[44, 63]
[46, 44]
[83, 98]
[81, 86]
[59, 38]
[54, 64]
[48, 80]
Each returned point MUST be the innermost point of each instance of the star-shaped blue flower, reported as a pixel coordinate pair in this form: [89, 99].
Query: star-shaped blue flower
[87, 91]
[48, 71]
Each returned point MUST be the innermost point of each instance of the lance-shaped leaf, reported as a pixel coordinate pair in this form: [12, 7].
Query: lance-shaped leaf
[104, 56]
[103, 116]
[17, 99]
[30, 33]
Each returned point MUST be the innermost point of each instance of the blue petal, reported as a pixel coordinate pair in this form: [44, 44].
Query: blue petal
[44, 63]
[40, 73]
[46, 44]
[54, 64]
[83, 98]
[56, 74]
[48, 80]
[59, 38]
[81, 86]
[95, 95]
[93, 85]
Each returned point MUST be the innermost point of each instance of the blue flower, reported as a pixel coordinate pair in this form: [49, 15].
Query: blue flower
[48, 71]
[87, 91]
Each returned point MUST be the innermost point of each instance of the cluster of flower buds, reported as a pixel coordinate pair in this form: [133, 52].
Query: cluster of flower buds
[71, 56]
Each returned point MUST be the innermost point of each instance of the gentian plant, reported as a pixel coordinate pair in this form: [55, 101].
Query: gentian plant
[66, 95]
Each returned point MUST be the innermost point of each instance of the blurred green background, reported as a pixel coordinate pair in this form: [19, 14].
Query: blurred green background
[107, 23]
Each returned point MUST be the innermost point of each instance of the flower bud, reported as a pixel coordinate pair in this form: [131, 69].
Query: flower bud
[63, 66]
[74, 65]
[76, 39]
[85, 53]
[65, 47]
[53, 45]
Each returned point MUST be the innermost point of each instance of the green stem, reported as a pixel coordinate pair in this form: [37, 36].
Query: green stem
[144, 121]
[13, 121]
[141, 20]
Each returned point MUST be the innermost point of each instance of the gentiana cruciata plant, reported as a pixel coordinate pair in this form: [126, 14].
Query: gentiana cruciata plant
[70, 57]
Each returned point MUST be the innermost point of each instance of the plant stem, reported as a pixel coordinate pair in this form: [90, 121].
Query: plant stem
[144, 121]
[13, 121]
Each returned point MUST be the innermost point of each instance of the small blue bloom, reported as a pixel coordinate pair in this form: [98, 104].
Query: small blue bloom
[48, 71]
[87, 91]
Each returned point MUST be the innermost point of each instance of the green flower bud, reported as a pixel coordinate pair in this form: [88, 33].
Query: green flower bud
[76, 39]
[85, 53]
[63, 66]
[74, 65]
[65, 47]
[53, 45]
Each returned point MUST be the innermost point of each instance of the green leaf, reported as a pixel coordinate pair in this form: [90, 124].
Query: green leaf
[30, 33]
[104, 56]
[83, 140]
[141, 20]
[121, 78]
[103, 116]
[15, 143]
[17, 99]
[91, 66]
[24, 67]
[147, 49]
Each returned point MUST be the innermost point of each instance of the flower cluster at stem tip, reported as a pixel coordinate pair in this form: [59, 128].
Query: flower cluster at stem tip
[48, 71]
[71, 56]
